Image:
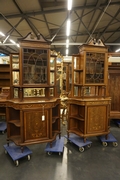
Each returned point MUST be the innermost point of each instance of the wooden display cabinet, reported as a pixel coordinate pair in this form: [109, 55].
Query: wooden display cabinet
[4, 75]
[114, 85]
[66, 76]
[89, 103]
[33, 111]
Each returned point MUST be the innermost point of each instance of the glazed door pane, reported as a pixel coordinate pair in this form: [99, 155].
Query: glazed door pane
[34, 66]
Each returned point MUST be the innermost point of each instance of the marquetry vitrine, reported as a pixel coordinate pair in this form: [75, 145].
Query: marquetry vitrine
[33, 111]
[88, 102]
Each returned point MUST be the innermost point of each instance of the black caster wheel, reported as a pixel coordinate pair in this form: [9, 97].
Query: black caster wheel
[81, 149]
[104, 144]
[5, 152]
[17, 163]
[49, 153]
[28, 157]
[115, 144]
[89, 145]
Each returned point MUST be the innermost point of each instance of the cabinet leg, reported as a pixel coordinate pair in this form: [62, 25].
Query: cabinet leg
[106, 136]
[50, 144]
[22, 148]
[59, 135]
[68, 134]
[84, 139]
[8, 142]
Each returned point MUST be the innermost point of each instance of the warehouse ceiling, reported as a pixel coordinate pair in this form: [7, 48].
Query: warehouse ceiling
[98, 19]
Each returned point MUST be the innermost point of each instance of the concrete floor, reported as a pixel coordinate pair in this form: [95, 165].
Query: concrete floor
[96, 163]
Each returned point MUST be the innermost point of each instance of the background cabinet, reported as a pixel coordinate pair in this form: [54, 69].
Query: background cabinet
[66, 76]
[114, 84]
[4, 75]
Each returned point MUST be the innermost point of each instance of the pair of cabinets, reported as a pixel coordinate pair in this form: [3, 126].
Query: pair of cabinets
[89, 103]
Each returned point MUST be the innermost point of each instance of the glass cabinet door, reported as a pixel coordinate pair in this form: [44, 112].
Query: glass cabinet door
[34, 66]
[95, 67]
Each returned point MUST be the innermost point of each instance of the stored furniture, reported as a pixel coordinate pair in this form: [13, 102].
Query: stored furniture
[66, 76]
[89, 103]
[33, 111]
[4, 95]
[4, 76]
[114, 84]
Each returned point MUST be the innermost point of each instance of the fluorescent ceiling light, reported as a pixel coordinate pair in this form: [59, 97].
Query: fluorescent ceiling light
[69, 5]
[117, 50]
[6, 39]
[67, 43]
[66, 51]
[68, 28]
[12, 41]
[2, 34]
[18, 45]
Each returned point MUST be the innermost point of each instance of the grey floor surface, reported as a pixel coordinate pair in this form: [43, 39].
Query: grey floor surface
[96, 163]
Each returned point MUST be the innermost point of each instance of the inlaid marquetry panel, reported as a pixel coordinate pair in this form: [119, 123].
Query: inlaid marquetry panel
[35, 128]
[96, 119]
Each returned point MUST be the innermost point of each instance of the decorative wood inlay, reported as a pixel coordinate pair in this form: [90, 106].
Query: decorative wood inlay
[97, 118]
[35, 128]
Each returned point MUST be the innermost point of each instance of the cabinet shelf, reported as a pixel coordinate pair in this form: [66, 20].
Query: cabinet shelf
[54, 119]
[15, 122]
[15, 139]
[77, 117]
[76, 131]
[78, 70]
[15, 69]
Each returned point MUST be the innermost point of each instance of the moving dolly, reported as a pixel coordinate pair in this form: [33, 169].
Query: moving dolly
[79, 141]
[16, 153]
[57, 146]
[117, 122]
[3, 127]
[109, 139]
